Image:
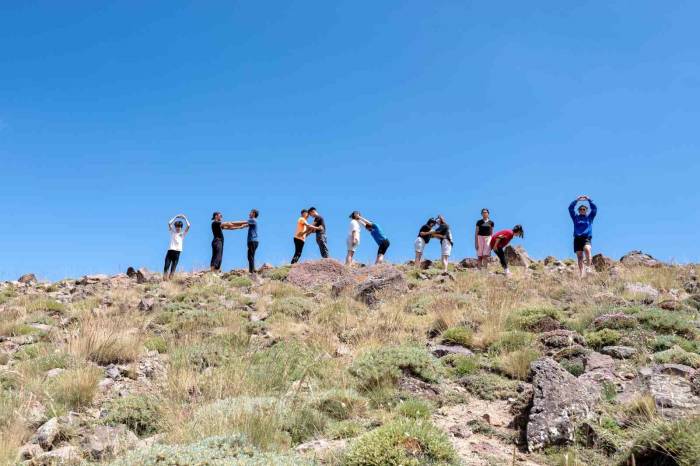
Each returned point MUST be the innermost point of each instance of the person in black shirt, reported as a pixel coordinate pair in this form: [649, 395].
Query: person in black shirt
[424, 235]
[482, 238]
[217, 244]
[320, 225]
[444, 233]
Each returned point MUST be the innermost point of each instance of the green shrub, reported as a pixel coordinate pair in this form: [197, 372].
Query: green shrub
[341, 404]
[384, 366]
[293, 306]
[659, 320]
[6, 294]
[575, 367]
[403, 442]
[667, 442]
[156, 343]
[511, 341]
[414, 408]
[488, 386]
[303, 423]
[461, 365]
[344, 429]
[530, 319]
[678, 355]
[604, 337]
[280, 273]
[457, 336]
[240, 282]
[419, 304]
[277, 367]
[139, 413]
[664, 342]
[45, 305]
[212, 451]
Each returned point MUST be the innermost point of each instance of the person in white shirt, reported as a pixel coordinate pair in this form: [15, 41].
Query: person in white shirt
[353, 237]
[177, 236]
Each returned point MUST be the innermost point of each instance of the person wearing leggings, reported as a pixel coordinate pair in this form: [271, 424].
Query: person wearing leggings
[177, 237]
[302, 231]
[500, 240]
[252, 225]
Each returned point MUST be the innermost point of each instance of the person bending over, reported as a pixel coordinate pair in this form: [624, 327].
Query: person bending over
[378, 236]
[424, 235]
[482, 238]
[177, 237]
[353, 237]
[583, 231]
[500, 240]
[444, 234]
[320, 225]
[302, 231]
[252, 225]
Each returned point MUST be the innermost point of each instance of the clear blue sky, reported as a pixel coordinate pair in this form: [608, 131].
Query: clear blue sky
[116, 115]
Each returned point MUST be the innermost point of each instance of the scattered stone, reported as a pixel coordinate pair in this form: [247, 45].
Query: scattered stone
[35, 415]
[42, 327]
[47, 434]
[131, 272]
[545, 324]
[517, 256]
[679, 370]
[27, 279]
[265, 267]
[113, 372]
[426, 264]
[144, 276]
[559, 404]
[105, 442]
[634, 258]
[619, 352]
[64, 455]
[602, 263]
[551, 260]
[469, 263]
[320, 447]
[648, 292]
[147, 304]
[54, 372]
[30, 451]
[617, 320]
[673, 388]
[418, 388]
[695, 383]
[105, 384]
[259, 316]
[92, 279]
[440, 351]
[371, 284]
[343, 350]
[670, 304]
[312, 274]
[561, 338]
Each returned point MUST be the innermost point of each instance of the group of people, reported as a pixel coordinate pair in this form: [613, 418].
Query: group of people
[485, 240]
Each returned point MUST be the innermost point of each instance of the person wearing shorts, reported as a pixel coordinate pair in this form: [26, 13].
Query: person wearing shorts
[583, 231]
[500, 240]
[378, 236]
[424, 235]
[482, 238]
[177, 236]
[353, 237]
[444, 234]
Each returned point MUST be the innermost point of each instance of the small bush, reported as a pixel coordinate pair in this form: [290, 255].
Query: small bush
[303, 423]
[344, 429]
[292, 306]
[384, 366]
[341, 404]
[280, 273]
[240, 282]
[74, 388]
[531, 319]
[139, 413]
[44, 305]
[667, 442]
[156, 343]
[665, 342]
[662, 321]
[574, 367]
[488, 386]
[402, 443]
[512, 341]
[457, 336]
[461, 365]
[517, 363]
[678, 355]
[107, 341]
[414, 408]
[604, 337]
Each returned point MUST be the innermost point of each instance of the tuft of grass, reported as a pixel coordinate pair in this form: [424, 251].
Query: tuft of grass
[512, 341]
[640, 409]
[240, 281]
[403, 442]
[665, 342]
[461, 365]
[142, 414]
[414, 408]
[678, 355]
[107, 340]
[341, 404]
[457, 336]
[344, 429]
[43, 305]
[604, 337]
[280, 273]
[574, 367]
[156, 343]
[293, 306]
[488, 386]
[517, 363]
[531, 318]
[666, 442]
[74, 388]
[384, 366]
[659, 320]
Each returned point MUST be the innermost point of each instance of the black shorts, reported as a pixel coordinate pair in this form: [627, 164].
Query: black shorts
[580, 242]
[383, 247]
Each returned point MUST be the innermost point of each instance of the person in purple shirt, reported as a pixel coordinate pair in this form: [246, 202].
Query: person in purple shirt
[378, 236]
[583, 231]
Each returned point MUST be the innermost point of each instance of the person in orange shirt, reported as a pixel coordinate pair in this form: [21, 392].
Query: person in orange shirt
[303, 229]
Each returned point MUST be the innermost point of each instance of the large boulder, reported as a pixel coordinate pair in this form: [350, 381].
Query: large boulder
[145, 276]
[379, 282]
[517, 256]
[674, 388]
[561, 338]
[27, 278]
[559, 403]
[313, 274]
[47, 434]
[634, 258]
[602, 263]
[105, 441]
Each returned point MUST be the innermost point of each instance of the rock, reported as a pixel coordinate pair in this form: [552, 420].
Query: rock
[131, 272]
[634, 258]
[602, 263]
[27, 279]
[672, 387]
[104, 441]
[321, 447]
[679, 370]
[692, 286]
[265, 267]
[47, 434]
[559, 404]
[42, 327]
[619, 352]
[382, 280]
[30, 451]
[695, 383]
[670, 304]
[418, 388]
[259, 316]
[35, 415]
[545, 324]
[617, 320]
[312, 274]
[144, 276]
[426, 264]
[113, 372]
[551, 260]
[54, 372]
[517, 256]
[92, 279]
[469, 263]
[440, 351]
[147, 304]
[648, 292]
[561, 338]
[343, 350]
[64, 455]
[105, 384]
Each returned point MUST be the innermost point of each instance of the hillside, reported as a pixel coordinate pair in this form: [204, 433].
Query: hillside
[318, 364]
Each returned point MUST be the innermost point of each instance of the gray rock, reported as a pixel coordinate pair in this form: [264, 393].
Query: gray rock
[30, 451]
[559, 403]
[113, 372]
[105, 442]
[27, 279]
[672, 386]
[144, 276]
[602, 263]
[92, 279]
[619, 352]
[440, 351]
[517, 256]
[635, 258]
[599, 369]
[382, 281]
[616, 320]
[105, 384]
[561, 338]
[647, 291]
[64, 455]
[47, 434]
[320, 447]
[147, 304]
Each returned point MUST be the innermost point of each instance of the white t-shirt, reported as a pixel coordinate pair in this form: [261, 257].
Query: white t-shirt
[354, 226]
[176, 240]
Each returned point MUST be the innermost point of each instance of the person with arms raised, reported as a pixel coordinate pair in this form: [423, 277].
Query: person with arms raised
[500, 240]
[583, 231]
[378, 236]
[177, 237]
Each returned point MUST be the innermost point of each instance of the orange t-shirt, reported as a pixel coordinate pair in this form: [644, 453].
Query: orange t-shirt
[301, 229]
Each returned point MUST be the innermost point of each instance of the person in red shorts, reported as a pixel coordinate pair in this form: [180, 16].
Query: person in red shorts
[501, 239]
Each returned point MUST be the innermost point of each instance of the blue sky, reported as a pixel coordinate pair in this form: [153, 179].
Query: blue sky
[115, 116]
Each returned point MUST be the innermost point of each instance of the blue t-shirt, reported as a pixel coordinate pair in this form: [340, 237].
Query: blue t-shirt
[583, 224]
[377, 234]
[252, 230]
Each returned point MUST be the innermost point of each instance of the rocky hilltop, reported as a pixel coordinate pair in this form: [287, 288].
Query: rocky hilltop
[380, 365]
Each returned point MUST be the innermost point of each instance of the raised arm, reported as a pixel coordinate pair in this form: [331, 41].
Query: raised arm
[171, 221]
[187, 222]
[594, 210]
[572, 206]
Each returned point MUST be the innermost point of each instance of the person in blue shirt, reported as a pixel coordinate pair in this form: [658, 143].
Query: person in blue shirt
[378, 236]
[252, 225]
[583, 231]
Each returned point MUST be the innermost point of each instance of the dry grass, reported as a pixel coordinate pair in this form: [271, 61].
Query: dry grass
[108, 339]
[74, 388]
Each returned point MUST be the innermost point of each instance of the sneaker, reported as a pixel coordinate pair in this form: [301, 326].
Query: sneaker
[507, 273]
